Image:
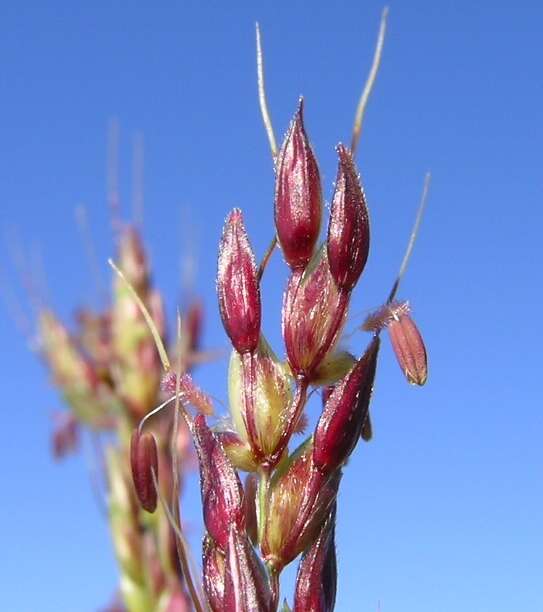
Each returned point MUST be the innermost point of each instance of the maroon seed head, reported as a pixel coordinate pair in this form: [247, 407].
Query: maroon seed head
[222, 495]
[406, 339]
[314, 312]
[409, 347]
[144, 461]
[298, 198]
[237, 286]
[300, 499]
[345, 412]
[348, 231]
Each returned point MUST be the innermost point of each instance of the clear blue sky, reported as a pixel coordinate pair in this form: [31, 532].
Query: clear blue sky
[442, 512]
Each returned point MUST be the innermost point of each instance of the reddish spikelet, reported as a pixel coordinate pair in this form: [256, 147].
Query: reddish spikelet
[348, 232]
[237, 286]
[300, 498]
[406, 339]
[298, 198]
[213, 574]
[144, 461]
[222, 495]
[246, 588]
[189, 391]
[259, 395]
[409, 347]
[345, 412]
[314, 311]
[317, 573]
[367, 431]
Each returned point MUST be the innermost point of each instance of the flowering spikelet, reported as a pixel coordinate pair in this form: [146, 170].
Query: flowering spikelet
[298, 199]
[260, 418]
[144, 461]
[300, 498]
[222, 495]
[348, 232]
[410, 350]
[406, 339]
[345, 412]
[314, 312]
[237, 286]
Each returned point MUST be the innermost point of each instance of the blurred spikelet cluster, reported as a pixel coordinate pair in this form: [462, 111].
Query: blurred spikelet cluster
[109, 374]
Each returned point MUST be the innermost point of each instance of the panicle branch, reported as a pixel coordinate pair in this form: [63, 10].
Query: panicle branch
[109, 372]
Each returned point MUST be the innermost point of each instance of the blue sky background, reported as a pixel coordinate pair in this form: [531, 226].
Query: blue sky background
[442, 512]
